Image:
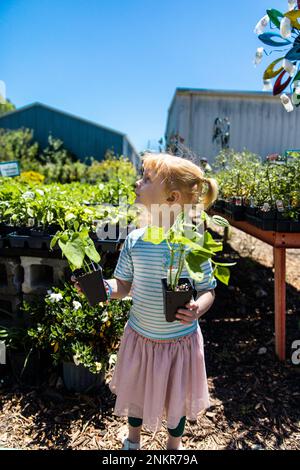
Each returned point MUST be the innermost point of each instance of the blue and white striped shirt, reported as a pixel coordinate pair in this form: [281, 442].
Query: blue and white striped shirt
[145, 264]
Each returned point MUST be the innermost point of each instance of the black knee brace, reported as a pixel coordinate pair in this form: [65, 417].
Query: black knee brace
[177, 432]
[135, 422]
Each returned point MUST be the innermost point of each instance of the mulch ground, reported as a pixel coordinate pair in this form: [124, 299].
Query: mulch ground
[254, 397]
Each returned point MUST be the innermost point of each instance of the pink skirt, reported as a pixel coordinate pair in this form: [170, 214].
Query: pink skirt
[156, 380]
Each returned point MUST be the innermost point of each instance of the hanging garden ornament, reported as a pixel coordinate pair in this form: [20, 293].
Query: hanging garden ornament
[292, 4]
[289, 67]
[270, 72]
[279, 87]
[258, 55]
[267, 85]
[285, 100]
[285, 27]
[294, 53]
[294, 17]
[275, 17]
[261, 25]
[266, 38]
[285, 69]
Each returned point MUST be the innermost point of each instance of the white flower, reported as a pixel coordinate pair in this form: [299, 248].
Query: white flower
[262, 24]
[49, 291]
[127, 298]
[285, 100]
[268, 85]
[28, 195]
[55, 297]
[258, 55]
[285, 27]
[112, 359]
[289, 67]
[40, 192]
[98, 366]
[76, 305]
[76, 360]
[105, 317]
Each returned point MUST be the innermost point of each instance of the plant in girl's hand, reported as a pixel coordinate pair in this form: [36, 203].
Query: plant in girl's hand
[83, 258]
[194, 249]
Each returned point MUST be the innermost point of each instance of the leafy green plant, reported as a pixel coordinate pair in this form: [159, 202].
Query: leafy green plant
[77, 246]
[194, 248]
[71, 330]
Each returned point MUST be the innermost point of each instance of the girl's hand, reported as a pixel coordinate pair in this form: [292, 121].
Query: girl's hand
[76, 285]
[189, 314]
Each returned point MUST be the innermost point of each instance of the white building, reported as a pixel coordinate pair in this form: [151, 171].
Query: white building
[258, 121]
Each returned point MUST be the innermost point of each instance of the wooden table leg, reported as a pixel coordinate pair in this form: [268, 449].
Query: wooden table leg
[280, 302]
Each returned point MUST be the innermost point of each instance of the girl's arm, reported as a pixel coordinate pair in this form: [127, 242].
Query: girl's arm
[119, 288]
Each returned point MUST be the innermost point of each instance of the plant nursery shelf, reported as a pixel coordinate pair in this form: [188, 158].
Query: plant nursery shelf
[280, 241]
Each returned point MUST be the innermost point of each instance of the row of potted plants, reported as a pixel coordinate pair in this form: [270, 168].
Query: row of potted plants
[263, 193]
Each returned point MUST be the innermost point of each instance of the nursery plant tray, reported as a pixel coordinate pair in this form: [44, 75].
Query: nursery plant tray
[26, 241]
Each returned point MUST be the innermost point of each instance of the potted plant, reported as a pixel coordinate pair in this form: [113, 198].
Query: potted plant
[23, 358]
[83, 258]
[82, 338]
[194, 249]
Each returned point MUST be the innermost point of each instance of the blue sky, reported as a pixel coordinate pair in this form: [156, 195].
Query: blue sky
[118, 62]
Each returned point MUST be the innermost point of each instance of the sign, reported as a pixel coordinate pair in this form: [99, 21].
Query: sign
[289, 154]
[10, 168]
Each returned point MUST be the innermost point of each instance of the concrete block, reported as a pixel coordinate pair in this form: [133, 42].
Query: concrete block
[40, 274]
[11, 276]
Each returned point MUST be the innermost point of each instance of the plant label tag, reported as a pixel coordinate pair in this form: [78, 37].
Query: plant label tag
[251, 202]
[266, 207]
[280, 206]
[238, 201]
[2, 353]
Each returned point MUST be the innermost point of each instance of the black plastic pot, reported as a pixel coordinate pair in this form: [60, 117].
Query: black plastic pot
[80, 379]
[295, 225]
[283, 223]
[173, 300]
[250, 210]
[6, 229]
[219, 205]
[17, 241]
[23, 230]
[236, 212]
[92, 285]
[268, 219]
[110, 246]
[1, 242]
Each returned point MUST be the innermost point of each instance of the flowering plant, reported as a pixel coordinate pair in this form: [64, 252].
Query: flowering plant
[74, 331]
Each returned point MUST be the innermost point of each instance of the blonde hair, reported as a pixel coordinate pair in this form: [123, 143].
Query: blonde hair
[183, 175]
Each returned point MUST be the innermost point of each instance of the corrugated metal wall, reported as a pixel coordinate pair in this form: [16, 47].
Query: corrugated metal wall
[258, 121]
[81, 137]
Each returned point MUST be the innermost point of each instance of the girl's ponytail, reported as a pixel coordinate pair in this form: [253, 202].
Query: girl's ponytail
[211, 194]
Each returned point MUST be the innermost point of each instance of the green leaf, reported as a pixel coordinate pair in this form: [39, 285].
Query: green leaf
[91, 251]
[223, 274]
[154, 235]
[212, 244]
[69, 216]
[218, 220]
[73, 251]
[193, 263]
[223, 264]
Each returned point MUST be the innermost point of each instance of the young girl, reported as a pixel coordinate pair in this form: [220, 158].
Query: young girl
[160, 370]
